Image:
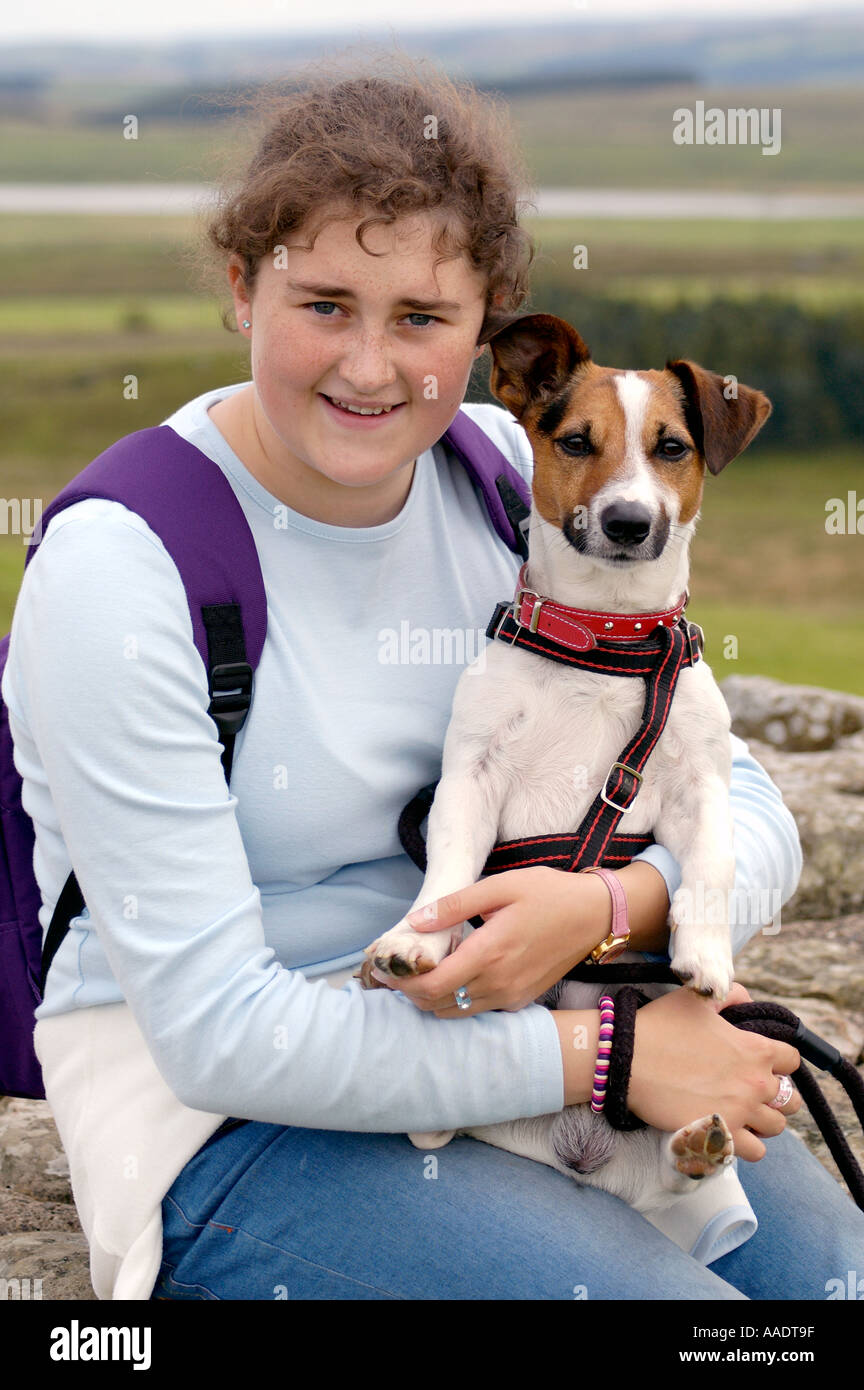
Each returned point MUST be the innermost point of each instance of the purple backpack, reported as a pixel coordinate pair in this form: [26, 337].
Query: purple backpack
[209, 539]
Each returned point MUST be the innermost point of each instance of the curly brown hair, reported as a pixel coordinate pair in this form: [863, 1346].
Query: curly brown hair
[390, 138]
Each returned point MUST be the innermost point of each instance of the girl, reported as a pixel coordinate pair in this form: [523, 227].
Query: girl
[235, 1124]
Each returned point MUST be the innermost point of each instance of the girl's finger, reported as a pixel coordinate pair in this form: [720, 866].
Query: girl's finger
[477, 899]
[449, 1010]
[748, 1147]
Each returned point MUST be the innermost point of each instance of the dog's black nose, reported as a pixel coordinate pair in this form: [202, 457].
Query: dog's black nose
[626, 523]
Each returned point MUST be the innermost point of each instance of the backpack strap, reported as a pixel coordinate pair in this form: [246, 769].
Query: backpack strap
[188, 502]
[504, 490]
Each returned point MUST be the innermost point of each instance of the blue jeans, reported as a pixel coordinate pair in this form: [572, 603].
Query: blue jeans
[267, 1211]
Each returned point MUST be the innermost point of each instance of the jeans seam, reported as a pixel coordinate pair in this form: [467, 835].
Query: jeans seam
[193, 1225]
[313, 1264]
[167, 1273]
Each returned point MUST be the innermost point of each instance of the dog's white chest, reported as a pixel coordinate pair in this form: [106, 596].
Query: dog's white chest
[554, 737]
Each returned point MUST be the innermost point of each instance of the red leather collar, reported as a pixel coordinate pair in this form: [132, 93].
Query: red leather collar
[580, 628]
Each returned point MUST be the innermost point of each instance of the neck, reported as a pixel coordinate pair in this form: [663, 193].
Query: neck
[559, 572]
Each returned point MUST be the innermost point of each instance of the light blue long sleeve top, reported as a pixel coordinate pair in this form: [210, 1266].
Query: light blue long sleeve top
[212, 911]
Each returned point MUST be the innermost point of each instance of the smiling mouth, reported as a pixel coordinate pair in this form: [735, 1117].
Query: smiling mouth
[362, 412]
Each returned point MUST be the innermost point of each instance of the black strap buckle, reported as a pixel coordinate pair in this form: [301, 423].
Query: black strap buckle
[696, 641]
[230, 694]
[503, 610]
[627, 790]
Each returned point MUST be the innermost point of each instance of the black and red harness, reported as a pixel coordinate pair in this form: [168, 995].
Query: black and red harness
[654, 646]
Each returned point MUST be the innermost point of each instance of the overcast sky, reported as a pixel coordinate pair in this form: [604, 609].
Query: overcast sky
[109, 19]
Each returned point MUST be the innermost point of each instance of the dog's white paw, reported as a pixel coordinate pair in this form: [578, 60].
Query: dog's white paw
[701, 956]
[401, 951]
[436, 1139]
[706, 969]
[701, 1149]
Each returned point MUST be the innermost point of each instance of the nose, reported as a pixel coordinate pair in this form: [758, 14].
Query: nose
[625, 523]
[368, 365]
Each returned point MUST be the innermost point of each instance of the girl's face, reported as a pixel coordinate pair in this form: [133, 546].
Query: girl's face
[338, 324]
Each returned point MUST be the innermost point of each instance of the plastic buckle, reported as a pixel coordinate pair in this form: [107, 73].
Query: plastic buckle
[625, 810]
[231, 693]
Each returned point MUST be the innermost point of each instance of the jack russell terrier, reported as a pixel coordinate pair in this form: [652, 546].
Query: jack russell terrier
[619, 466]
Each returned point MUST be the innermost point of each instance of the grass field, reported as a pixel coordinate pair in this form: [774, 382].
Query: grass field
[619, 137]
[85, 269]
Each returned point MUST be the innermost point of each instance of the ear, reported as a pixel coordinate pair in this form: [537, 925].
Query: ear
[721, 427]
[533, 357]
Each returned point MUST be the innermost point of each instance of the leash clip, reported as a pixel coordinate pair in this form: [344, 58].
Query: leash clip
[625, 810]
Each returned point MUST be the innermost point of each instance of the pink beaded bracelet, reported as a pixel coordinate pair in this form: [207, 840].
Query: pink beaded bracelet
[601, 1068]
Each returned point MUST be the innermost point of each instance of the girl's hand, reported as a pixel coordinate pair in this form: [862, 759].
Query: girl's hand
[689, 1062]
[539, 923]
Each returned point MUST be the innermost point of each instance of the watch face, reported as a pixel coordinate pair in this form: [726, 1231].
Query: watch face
[615, 950]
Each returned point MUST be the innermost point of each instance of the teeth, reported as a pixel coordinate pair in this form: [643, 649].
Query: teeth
[362, 410]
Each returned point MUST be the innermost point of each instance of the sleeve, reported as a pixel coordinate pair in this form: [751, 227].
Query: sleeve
[768, 858]
[116, 701]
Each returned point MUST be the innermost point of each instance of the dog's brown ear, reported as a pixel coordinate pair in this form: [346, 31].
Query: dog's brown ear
[721, 425]
[533, 356]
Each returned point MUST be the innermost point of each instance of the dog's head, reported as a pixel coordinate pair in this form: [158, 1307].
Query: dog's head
[619, 456]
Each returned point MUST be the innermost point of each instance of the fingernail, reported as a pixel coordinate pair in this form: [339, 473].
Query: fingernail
[429, 913]
[378, 975]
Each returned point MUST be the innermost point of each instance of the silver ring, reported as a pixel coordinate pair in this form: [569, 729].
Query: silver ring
[785, 1092]
[463, 998]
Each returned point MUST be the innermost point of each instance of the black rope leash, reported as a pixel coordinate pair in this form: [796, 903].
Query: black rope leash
[772, 1021]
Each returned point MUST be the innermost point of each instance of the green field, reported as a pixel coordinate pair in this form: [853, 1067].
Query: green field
[88, 270]
[619, 137]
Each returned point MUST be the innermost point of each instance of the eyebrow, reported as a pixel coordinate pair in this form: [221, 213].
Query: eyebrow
[334, 292]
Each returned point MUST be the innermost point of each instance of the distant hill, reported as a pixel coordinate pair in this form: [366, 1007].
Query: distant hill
[822, 50]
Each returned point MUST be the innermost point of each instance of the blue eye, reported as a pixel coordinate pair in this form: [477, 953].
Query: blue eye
[328, 304]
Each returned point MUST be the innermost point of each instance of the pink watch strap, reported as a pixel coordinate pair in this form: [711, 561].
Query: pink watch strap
[620, 921]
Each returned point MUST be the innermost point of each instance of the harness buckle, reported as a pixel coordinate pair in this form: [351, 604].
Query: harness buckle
[505, 610]
[625, 810]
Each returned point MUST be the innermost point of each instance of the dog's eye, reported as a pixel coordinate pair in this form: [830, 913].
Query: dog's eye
[578, 445]
[672, 449]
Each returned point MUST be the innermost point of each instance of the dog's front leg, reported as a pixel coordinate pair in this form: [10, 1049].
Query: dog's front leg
[463, 827]
[699, 835]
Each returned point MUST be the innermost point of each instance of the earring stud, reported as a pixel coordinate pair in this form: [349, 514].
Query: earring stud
[246, 323]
